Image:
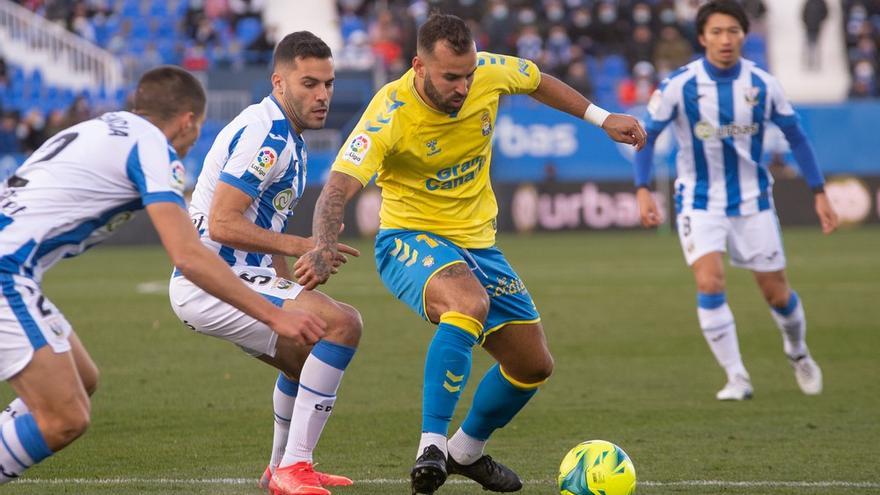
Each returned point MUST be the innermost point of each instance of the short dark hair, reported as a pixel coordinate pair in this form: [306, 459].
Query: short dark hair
[448, 28]
[300, 44]
[728, 7]
[168, 91]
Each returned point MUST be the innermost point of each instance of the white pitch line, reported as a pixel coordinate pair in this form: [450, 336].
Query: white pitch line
[401, 481]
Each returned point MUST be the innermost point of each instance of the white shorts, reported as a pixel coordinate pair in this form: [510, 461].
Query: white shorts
[28, 321]
[208, 315]
[753, 242]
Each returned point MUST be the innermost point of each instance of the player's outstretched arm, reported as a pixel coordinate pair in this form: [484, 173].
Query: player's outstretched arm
[228, 226]
[208, 271]
[619, 127]
[316, 266]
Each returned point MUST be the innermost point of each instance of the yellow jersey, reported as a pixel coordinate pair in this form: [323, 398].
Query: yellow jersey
[433, 167]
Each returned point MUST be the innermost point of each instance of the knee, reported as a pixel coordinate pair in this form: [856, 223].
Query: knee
[348, 325]
[90, 380]
[543, 369]
[537, 371]
[777, 299]
[60, 428]
[473, 303]
[710, 284]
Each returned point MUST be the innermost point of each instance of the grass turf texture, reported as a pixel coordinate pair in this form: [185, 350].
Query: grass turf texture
[631, 367]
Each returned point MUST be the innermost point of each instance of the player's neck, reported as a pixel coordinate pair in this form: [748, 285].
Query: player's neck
[422, 96]
[289, 114]
[721, 70]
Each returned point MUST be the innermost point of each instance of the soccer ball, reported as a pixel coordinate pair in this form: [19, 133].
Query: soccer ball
[596, 467]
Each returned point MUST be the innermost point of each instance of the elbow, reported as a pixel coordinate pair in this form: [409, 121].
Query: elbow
[218, 230]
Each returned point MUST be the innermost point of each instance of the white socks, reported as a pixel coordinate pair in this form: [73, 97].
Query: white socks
[283, 399]
[792, 323]
[464, 448]
[15, 408]
[432, 439]
[719, 329]
[318, 383]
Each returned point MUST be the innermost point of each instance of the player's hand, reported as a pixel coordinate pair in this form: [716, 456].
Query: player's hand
[303, 327]
[827, 215]
[315, 267]
[648, 211]
[625, 129]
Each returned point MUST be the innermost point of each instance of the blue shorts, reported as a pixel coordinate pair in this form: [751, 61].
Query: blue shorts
[407, 259]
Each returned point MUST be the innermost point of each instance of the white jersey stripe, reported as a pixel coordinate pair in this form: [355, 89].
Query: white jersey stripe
[260, 154]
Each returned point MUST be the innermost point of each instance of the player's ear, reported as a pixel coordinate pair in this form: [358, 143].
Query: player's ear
[276, 82]
[418, 66]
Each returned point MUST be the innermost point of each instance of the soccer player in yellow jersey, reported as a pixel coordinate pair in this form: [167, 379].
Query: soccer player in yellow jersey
[428, 136]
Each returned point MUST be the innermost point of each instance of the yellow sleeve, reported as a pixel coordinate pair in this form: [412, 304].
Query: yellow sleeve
[369, 142]
[511, 75]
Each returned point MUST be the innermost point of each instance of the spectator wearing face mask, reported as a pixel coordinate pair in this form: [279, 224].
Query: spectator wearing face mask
[612, 31]
[581, 29]
[500, 27]
[643, 17]
[641, 47]
[578, 78]
[671, 51]
[558, 50]
[864, 83]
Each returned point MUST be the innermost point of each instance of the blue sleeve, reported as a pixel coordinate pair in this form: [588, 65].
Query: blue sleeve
[801, 148]
[644, 164]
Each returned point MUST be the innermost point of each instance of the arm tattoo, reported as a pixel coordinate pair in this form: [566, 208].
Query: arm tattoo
[328, 216]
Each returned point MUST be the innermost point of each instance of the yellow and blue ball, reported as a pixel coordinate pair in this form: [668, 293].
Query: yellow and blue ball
[596, 467]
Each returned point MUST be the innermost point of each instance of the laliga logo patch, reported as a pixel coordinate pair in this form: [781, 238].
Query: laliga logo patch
[178, 176]
[357, 149]
[264, 160]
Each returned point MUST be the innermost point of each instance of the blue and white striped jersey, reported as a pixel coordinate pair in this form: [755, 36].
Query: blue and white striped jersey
[79, 186]
[260, 154]
[719, 118]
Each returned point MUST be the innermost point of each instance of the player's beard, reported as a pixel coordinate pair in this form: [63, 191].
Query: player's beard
[437, 99]
[298, 112]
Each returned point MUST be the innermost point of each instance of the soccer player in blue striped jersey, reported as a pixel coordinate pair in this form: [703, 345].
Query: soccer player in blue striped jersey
[70, 195]
[719, 107]
[253, 176]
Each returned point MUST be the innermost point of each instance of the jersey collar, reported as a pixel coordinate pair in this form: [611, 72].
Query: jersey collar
[722, 75]
[296, 137]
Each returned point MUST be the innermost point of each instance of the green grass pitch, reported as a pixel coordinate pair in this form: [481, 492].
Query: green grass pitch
[182, 413]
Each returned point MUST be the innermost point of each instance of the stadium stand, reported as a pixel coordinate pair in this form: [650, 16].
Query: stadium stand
[613, 51]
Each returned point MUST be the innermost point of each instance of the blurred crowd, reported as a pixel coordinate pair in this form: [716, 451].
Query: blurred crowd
[594, 45]
[196, 34]
[862, 29]
[612, 51]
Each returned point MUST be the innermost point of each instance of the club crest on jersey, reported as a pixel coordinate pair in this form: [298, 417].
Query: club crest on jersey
[486, 123]
[357, 149]
[753, 96]
[283, 283]
[428, 262]
[432, 147]
[264, 160]
[178, 176]
[282, 200]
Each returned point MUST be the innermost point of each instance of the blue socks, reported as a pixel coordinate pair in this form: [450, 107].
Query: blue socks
[496, 402]
[447, 366]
